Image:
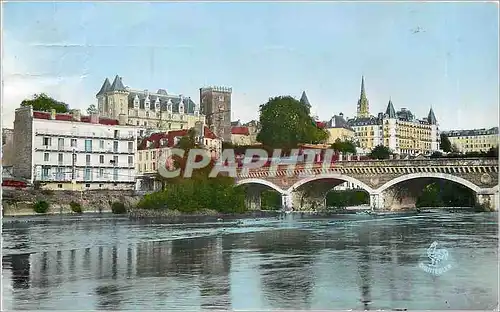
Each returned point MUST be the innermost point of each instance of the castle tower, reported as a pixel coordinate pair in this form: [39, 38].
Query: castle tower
[363, 105]
[112, 99]
[215, 103]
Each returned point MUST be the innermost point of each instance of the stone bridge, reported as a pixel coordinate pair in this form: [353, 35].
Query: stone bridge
[392, 184]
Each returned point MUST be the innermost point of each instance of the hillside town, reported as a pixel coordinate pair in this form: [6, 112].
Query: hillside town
[117, 144]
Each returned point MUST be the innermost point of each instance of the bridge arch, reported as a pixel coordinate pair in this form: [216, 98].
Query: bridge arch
[442, 176]
[332, 176]
[261, 182]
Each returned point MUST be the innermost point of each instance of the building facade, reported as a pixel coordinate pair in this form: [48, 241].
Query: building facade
[74, 152]
[338, 129]
[8, 155]
[149, 110]
[216, 106]
[399, 130]
[154, 146]
[476, 140]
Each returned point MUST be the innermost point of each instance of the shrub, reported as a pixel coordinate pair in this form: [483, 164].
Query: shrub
[41, 206]
[118, 208]
[76, 207]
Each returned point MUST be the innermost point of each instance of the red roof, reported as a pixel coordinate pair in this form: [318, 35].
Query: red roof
[169, 138]
[207, 133]
[320, 124]
[69, 117]
[240, 130]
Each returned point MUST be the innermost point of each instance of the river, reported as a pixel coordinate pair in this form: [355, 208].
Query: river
[347, 262]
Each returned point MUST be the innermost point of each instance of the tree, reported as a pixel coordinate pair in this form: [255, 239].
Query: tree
[43, 102]
[286, 122]
[380, 152]
[92, 109]
[445, 144]
[345, 147]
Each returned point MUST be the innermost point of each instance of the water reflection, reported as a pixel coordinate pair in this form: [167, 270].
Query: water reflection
[340, 265]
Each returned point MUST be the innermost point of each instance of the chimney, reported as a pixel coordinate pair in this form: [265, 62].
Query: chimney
[76, 114]
[94, 118]
[341, 115]
[52, 114]
[122, 119]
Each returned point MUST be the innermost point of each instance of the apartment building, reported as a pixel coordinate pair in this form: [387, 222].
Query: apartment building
[74, 152]
[338, 129]
[476, 140]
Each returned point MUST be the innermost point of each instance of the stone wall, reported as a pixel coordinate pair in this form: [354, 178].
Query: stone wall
[19, 202]
[23, 143]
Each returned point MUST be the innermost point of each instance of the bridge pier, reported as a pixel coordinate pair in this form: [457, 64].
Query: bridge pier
[286, 201]
[377, 201]
[488, 199]
[312, 196]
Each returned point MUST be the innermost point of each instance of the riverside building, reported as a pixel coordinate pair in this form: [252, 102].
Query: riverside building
[400, 131]
[476, 140]
[74, 152]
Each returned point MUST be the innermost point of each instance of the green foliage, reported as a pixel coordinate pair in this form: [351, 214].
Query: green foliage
[380, 152]
[43, 102]
[92, 109]
[446, 194]
[191, 195]
[75, 207]
[491, 153]
[445, 144]
[270, 200]
[286, 122]
[118, 208]
[198, 192]
[41, 206]
[345, 147]
[347, 198]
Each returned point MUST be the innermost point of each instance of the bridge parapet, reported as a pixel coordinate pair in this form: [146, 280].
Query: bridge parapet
[482, 172]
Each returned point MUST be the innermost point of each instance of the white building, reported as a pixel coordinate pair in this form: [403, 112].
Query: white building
[74, 152]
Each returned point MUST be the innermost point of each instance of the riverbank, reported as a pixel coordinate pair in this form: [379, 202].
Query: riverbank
[19, 202]
[206, 215]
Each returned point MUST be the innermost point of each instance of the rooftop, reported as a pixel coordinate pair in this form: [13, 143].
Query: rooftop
[70, 117]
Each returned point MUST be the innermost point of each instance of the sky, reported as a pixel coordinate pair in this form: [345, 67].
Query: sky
[261, 50]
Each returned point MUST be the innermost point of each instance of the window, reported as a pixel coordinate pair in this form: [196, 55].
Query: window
[115, 174]
[182, 126]
[153, 155]
[101, 172]
[101, 159]
[45, 173]
[87, 159]
[60, 158]
[147, 156]
[46, 141]
[87, 185]
[60, 143]
[130, 146]
[73, 143]
[169, 126]
[115, 160]
[101, 144]
[46, 157]
[140, 156]
[88, 174]
[59, 185]
[115, 146]
[117, 133]
[59, 174]
[131, 160]
[154, 166]
[88, 145]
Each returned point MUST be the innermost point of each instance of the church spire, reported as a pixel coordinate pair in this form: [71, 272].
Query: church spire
[363, 105]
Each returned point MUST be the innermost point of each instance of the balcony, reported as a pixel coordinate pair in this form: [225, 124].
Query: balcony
[84, 135]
